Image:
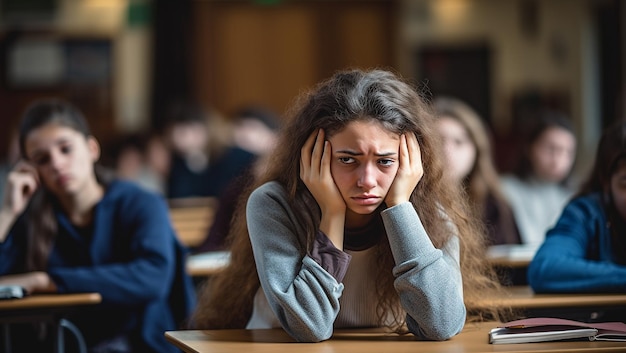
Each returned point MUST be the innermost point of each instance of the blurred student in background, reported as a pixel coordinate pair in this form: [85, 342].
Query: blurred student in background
[130, 154]
[586, 249]
[203, 159]
[9, 161]
[255, 130]
[66, 227]
[538, 190]
[469, 163]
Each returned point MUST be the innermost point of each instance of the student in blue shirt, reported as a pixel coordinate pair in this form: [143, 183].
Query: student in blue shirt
[586, 249]
[65, 228]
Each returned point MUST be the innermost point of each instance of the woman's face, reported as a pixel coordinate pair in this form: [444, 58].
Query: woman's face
[552, 154]
[618, 189]
[364, 164]
[64, 158]
[459, 148]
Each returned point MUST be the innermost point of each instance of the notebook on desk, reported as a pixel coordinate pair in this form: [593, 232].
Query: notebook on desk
[552, 329]
[11, 292]
[209, 260]
[513, 251]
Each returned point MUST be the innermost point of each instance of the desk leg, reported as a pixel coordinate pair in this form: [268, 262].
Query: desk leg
[7, 337]
[60, 339]
[63, 323]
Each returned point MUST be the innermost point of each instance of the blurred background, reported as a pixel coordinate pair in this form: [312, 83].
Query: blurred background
[123, 62]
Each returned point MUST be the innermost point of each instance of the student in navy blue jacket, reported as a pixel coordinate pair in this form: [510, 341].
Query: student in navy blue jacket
[65, 229]
[586, 249]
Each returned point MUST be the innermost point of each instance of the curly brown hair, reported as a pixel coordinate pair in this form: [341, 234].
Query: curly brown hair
[226, 300]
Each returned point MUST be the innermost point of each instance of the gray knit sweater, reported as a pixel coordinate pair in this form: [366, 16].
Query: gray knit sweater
[302, 292]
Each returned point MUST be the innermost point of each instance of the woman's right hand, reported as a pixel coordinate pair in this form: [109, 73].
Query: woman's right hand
[22, 183]
[315, 173]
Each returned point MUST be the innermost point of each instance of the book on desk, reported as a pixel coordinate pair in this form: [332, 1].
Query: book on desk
[11, 292]
[553, 329]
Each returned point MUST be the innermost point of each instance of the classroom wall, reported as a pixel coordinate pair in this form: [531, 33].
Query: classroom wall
[548, 49]
[551, 51]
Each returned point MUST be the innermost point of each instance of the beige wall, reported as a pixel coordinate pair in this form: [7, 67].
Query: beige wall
[560, 56]
[519, 61]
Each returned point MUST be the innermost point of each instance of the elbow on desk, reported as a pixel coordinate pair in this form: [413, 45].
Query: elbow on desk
[443, 330]
[541, 279]
[536, 277]
[310, 333]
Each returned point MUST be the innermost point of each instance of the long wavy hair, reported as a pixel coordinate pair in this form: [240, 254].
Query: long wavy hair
[40, 218]
[483, 179]
[381, 96]
[610, 155]
[482, 184]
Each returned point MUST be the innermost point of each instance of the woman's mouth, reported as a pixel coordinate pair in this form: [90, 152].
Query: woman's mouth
[366, 199]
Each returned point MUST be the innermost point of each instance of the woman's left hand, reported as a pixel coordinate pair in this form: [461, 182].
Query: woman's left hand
[32, 282]
[410, 171]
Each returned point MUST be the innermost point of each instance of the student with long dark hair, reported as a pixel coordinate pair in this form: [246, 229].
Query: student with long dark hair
[353, 224]
[538, 188]
[470, 163]
[66, 228]
[586, 249]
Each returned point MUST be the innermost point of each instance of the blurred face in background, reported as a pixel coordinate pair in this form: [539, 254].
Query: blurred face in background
[459, 148]
[189, 138]
[552, 154]
[64, 159]
[253, 135]
[618, 188]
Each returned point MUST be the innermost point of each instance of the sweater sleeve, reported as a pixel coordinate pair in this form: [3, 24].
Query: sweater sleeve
[562, 263]
[302, 294]
[428, 280]
[135, 258]
[13, 249]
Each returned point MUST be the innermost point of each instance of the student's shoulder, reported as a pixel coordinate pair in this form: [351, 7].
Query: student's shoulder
[124, 192]
[511, 181]
[589, 204]
[272, 190]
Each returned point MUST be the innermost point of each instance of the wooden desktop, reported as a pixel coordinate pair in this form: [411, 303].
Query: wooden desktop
[473, 339]
[51, 308]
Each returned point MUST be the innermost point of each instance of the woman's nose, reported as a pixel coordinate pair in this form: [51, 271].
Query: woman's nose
[367, 177]
[56, 160]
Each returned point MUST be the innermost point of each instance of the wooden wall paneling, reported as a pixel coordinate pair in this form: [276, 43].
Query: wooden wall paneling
[250, 53]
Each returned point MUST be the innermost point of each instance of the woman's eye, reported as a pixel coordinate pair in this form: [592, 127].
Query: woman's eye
[66, 149]
[346, 160]
[386, 162]
[41, 160]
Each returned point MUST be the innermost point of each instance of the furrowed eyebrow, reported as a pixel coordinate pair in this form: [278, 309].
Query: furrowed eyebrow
[353, 153]
[350, 152]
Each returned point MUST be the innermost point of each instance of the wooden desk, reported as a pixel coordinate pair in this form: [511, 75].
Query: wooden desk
[579, 307]
[46, 308]
[522, 297]
[192, 221]
[511, 255]
[47, 301]
[207, 264]
[473, 339]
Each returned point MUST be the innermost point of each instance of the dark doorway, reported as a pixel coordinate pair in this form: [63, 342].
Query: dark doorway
[460, 71]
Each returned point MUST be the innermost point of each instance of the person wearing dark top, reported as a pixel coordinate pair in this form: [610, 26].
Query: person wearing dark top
[255, 130]
[203, 158]
[586, 250]
[66, 228]
[469, 162]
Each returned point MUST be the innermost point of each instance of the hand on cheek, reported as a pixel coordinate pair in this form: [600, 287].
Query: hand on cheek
[316, 175]
[410, 171]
